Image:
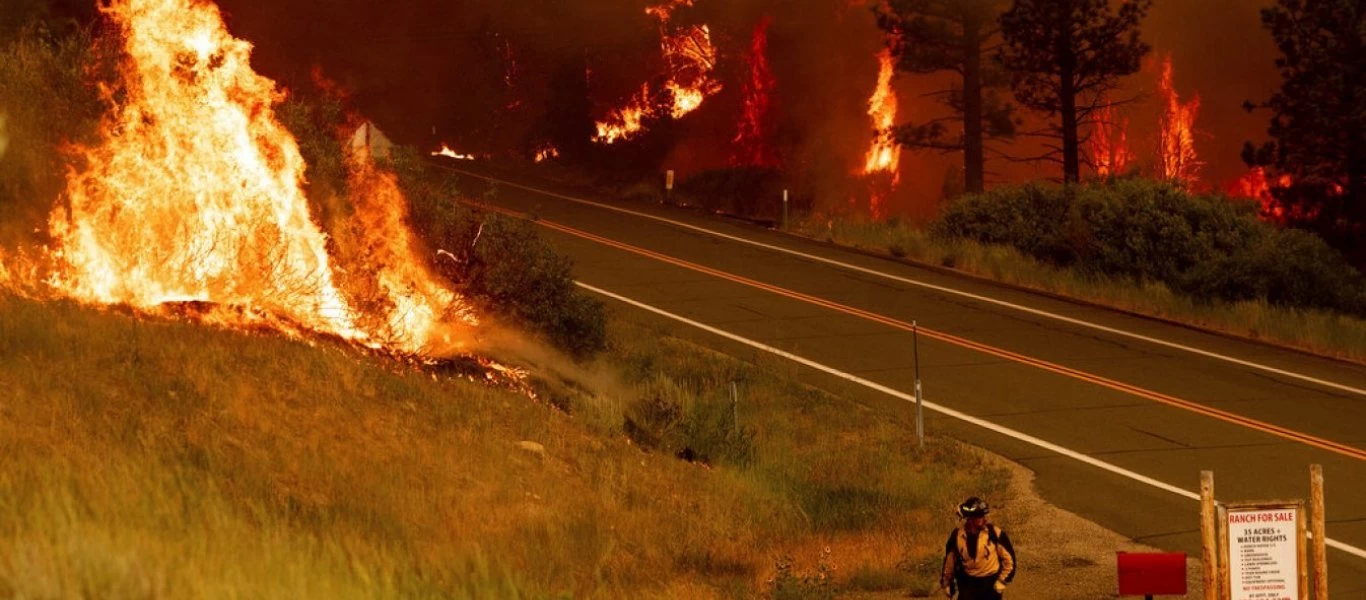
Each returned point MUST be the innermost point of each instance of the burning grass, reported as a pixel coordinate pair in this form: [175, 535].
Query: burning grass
[151, 458]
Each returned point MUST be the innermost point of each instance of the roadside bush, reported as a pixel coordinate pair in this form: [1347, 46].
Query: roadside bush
[1203, 246]
[48, 100]
[505, 267]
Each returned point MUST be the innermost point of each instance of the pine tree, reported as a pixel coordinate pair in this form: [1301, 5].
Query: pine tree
[1064, 56]
[930, 36]
[1318, 125]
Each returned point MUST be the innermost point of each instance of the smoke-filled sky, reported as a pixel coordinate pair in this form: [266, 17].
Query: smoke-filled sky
[429, 70]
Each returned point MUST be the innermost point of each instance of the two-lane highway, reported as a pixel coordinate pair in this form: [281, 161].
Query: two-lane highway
[1116, 414]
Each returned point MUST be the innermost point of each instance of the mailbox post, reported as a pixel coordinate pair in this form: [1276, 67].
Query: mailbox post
[1151, 574]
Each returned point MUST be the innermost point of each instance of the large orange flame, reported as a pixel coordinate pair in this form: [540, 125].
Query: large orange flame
[1109, 143]
[1177, 158]
[884, 156]
[690, 57]
[194, 195]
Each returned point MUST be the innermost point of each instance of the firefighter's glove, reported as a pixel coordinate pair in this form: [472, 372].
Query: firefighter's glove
[1000, 587]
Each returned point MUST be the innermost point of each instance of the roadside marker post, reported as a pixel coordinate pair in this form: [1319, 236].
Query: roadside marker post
[919, 398]
[668, 186]
[784, 210]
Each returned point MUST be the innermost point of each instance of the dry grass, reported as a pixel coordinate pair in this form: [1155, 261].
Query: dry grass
[146, 459]
[1328, 333]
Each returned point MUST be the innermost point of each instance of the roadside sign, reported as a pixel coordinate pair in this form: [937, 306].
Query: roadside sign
[1151, 573]
[669, 180]
[1264, 548]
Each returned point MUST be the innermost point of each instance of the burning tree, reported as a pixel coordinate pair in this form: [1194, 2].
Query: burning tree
[1064, 57]
[1108, 145]
[930, 36]
[752, 147]
[1317, 159]
[1176, 156]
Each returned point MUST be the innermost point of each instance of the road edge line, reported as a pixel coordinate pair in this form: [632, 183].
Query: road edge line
[944, 410]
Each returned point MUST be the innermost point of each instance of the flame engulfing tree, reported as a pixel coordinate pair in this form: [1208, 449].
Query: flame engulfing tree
[1064, 56]
[1319, 119]
[929, 36]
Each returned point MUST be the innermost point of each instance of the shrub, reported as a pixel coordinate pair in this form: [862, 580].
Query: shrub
[1203, 246]
[48, 99]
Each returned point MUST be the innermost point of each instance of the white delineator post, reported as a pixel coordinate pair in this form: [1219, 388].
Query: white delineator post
[919, 399]
[784, 210]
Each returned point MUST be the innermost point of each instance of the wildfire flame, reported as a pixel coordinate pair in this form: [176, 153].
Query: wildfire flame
[690, 57]
[446, 151]
[625, 122]
[884, 156]
[546, 152]
[194, 196]
[1256, 186]
[751, 140]
[1109, 143]
[1176, 135]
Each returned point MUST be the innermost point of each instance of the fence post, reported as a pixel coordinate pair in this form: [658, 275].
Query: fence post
[735, 404]
[1209, 545]
[1316, 520]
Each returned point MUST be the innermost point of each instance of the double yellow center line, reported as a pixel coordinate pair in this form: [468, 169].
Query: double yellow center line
[1222, 415]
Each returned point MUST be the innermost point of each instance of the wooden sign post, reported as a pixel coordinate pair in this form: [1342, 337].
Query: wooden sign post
[1209, 556]
[1316, 517]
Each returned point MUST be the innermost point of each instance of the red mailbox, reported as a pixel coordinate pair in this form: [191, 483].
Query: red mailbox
[1152, 574]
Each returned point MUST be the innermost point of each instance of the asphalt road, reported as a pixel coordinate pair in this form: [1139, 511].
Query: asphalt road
[1040, 376]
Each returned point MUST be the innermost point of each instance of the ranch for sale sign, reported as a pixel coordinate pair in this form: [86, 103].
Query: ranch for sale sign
[1265, 551]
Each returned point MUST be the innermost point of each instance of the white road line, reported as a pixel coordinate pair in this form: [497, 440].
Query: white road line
[944, 410]
[937, 288]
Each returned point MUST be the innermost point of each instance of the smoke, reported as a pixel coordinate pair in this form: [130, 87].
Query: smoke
[4, 136]
[477, 74]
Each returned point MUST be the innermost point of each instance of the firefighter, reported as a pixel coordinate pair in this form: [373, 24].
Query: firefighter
[979, 560]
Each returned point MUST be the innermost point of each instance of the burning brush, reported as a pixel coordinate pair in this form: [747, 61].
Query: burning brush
[191, 205]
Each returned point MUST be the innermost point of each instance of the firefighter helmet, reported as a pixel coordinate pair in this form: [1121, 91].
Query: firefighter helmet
[973, 507]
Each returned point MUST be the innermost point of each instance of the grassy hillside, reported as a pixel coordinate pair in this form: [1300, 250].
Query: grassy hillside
[142, 458]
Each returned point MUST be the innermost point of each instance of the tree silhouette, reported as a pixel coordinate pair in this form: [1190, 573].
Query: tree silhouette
[1318, 127]
[1064, 56]
[929, 36]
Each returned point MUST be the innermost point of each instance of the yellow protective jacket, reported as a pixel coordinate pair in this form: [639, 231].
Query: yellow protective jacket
[989, 554]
